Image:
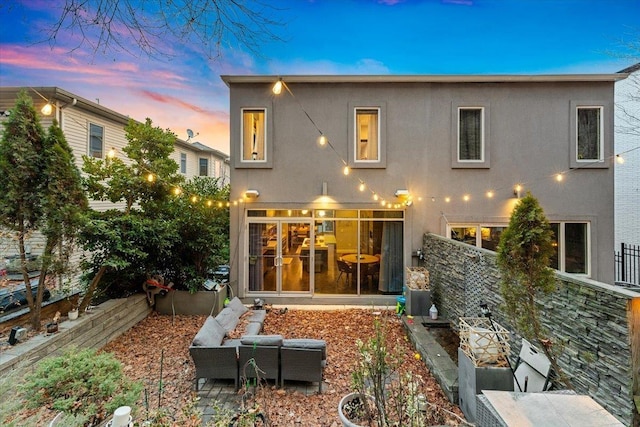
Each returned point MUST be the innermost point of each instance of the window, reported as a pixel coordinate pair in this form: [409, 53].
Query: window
[204, 167]
[572, 247]
[183, 162]
[589, 134]
[470, 135]
[571, 241]
[96, 141]
[483, 236]
[254, 135]
[367, 135]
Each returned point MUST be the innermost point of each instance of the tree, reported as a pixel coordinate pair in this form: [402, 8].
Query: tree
[42, 192]
[165, 226]
[524, 255]
[132, 241]
[153, 26]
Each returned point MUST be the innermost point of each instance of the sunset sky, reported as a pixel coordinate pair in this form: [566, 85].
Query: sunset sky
[322, 37]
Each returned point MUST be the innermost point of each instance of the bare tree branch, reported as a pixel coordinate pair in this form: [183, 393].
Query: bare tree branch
[154, 27]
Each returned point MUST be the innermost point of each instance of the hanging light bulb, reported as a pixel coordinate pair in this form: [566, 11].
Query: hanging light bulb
[150, 177]
[111, 153]
[382, 202]
[375, 197]
[322, 140]
[277, 87]
[466, 197]
[194, 199]
[345, 170]
[362, 186]
[447, 199]
[490, 194]
[209, 203]
[177, 191]
[619, 159]
[220, 204]
[559, 177]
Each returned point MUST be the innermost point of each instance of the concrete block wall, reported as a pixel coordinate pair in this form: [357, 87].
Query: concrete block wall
[597, 324]
[93, 329]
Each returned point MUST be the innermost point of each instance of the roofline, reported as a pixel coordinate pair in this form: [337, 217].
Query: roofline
[631, 69]
[54, 93]
[433, 78]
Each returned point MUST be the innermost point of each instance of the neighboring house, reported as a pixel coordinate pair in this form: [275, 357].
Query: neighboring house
[445, 153]
[92, 129]
[627, 144]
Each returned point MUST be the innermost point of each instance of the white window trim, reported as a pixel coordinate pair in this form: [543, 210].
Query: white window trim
[183, 155]
[355, 133]
[482, 135]
[104, 138]
[600, 136]
[456, 106]
[266, 136]
[200, 159]
[368, 104]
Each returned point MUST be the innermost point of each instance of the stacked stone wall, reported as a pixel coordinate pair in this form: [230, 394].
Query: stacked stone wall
[592, 321]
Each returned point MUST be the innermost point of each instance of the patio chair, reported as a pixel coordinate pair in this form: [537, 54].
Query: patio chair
[301, 364]
[346, 269]
[261, 361]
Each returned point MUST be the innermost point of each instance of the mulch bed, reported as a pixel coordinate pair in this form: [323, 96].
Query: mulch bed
[166, 339]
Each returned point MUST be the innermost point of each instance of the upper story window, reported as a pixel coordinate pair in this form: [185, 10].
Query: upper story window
[470, 134]
[589, 134]
[96, 141]
[183, 163]
[254, 140]
[367, 135]
[203, 167]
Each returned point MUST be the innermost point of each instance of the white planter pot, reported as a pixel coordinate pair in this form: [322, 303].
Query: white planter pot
[73, 314]
[346, 400]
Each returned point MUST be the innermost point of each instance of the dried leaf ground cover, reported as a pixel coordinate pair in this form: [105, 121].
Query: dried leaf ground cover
[155, 351]
[141, 350]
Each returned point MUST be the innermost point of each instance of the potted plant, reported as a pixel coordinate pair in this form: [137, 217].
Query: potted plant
[68, 290]
[381, 396]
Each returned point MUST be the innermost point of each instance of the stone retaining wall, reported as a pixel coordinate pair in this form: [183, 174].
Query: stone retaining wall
[598, 324]
[93, 329]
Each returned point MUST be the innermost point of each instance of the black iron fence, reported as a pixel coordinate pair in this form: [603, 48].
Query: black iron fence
[627, 262]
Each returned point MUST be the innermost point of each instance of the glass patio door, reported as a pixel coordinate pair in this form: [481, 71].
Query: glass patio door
[279, 256]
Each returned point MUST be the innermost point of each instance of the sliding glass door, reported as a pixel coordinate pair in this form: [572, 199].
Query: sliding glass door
[279, 257]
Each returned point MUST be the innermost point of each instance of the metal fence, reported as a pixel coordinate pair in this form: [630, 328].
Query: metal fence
[627, 265]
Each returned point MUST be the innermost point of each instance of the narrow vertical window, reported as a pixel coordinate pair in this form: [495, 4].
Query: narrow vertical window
[589, 134]
[183, 163]
[470, 134]
[367, 143]
[204, 167]
[253, 135]
[96, 141]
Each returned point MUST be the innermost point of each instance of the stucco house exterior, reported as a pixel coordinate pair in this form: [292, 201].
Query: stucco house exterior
[92, 129]
[337, 178]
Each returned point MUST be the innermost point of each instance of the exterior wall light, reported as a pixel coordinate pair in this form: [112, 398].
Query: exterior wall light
[252, 194]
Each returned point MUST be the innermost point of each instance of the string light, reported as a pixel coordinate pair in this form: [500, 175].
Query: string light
[150, 177]
[112, 153]
[517, 188]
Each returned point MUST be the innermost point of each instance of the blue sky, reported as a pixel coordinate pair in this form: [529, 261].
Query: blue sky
[326, 37]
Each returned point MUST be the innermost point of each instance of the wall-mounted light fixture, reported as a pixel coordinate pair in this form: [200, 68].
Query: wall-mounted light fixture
[402, 193]
[252, 194]
[517, 191]
[325, 190]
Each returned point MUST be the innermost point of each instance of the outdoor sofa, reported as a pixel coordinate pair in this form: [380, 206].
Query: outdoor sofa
[271, 357]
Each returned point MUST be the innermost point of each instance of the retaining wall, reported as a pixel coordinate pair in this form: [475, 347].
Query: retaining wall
[597, 324]
[94, 329]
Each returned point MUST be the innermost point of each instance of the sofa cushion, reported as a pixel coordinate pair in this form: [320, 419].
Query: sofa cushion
[262, 340]
[228, 319]
[210, 334]
[231, 343]
[236, 305]
[257, 315]
[253, 328]
[306, 343]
